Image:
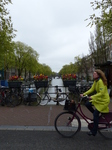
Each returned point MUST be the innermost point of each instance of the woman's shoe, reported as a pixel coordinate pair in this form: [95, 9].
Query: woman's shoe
[90, 133]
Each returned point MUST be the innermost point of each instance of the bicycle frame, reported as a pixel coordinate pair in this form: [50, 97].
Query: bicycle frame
[80, 112]
[104, 118]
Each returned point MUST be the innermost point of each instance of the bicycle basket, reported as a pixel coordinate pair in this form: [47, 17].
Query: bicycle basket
[69, 106]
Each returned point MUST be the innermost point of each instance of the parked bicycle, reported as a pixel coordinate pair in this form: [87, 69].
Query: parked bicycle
[59, 98]
[68, 122]
[27, 95]
[7, 97]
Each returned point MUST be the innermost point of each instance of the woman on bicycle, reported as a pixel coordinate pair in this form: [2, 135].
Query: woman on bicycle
[100, 98]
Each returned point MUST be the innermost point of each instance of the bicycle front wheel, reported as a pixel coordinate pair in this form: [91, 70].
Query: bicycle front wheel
[44, 100]
[67, 124]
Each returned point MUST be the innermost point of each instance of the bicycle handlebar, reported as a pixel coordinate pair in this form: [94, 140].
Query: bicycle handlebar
[85, 98]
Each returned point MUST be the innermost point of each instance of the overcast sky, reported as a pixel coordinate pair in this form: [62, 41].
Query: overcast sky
[54, 28]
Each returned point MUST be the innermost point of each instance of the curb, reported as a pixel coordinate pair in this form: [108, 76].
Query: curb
[34, 128]
[39, 128]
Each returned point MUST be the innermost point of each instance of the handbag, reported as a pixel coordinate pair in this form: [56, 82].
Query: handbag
[69, 105]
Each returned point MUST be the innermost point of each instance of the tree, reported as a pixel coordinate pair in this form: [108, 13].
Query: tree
[46, 70]
[86, 66]
[6, 27]
[105, 18]
[6, 36]
[97, 46]
[7, 59]
[68, 69]
[77, 65]
[25, 58]
[43, 69]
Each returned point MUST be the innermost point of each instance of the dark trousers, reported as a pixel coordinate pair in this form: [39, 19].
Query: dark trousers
[95, 116]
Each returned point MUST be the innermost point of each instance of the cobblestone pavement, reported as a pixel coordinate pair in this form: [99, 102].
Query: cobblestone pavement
[33, 115]
[30, 115]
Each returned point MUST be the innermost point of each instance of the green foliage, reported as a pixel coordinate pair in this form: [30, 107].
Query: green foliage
[66, 69]
[105, 18]
[6, 36]
[43, 69]
[6, 27]
[26, 60]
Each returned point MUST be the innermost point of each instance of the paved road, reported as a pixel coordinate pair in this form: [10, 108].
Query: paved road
[43, 140]
[21, 128]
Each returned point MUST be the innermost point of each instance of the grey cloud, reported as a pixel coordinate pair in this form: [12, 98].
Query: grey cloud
[54, 28]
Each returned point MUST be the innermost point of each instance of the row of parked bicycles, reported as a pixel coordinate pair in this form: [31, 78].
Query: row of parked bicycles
[32, 96]
[15, 96]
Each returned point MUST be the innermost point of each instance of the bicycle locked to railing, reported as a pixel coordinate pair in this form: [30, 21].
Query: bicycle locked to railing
[31, 96]
[27, 95]
[7, 97]
[68, 123]
[60, 97]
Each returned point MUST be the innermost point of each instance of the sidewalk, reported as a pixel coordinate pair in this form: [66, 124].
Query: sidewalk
[33, 117]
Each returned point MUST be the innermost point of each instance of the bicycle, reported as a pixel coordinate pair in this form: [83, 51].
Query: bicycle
[59, 98]
[27, 95]
[7, 97]
[68, 123]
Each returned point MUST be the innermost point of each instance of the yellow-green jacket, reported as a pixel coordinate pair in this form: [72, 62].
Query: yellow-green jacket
[101, 99]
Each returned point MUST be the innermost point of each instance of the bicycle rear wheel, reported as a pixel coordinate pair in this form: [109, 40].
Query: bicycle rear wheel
[19, 94]
[106, 133]
[66, 124]
[37, 102]
[19, 100]
[1, 100]
[11, 100]
[62, 98]
[44, 100]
